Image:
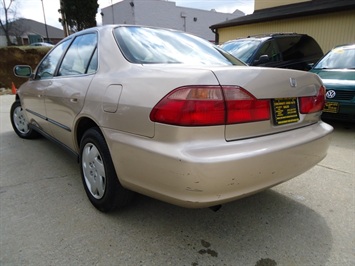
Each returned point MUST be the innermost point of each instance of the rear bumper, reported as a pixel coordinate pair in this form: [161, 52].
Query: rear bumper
[206, 173]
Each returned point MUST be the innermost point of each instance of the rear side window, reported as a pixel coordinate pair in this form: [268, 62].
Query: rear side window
[297, 47]
[78, 58]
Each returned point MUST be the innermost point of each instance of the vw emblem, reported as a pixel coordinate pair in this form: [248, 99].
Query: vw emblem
[330, 94]
[293, 82]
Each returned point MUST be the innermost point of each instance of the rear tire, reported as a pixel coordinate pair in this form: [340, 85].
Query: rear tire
[20, 123]
[98, 173]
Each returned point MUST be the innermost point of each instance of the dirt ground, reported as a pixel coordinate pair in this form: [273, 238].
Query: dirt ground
[17, 55]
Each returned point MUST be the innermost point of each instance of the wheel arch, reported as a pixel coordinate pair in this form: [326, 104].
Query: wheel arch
[82, 126]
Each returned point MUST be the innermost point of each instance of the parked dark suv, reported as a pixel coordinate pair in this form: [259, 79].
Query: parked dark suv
[283, 50]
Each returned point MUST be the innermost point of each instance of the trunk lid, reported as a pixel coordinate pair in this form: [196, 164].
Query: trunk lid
[282, 87]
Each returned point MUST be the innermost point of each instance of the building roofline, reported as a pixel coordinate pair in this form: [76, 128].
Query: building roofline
[313, 7]
[32, 26]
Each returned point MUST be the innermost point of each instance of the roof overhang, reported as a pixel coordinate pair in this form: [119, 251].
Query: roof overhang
[313, 7]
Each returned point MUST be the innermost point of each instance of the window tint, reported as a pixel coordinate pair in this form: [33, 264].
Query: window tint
[269, 48]
[152, 46]
[48, 65]
[297, 47]
[79, 55]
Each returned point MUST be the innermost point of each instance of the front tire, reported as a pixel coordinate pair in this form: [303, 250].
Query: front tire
[98, 173]
[20, 123]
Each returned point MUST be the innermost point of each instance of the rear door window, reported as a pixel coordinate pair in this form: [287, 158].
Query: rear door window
[78, 58]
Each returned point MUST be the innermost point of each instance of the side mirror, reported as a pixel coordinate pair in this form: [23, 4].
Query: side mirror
[23, 71]
[309, 66]
[262, 60]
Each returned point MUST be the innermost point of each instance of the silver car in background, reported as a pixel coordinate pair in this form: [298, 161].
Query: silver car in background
[169, 115]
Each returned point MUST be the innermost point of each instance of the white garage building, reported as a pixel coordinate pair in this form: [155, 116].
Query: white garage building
[160, 13]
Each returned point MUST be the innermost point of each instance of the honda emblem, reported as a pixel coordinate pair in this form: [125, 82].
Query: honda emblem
[293, 82]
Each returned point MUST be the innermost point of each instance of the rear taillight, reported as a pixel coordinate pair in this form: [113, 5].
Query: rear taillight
[243, 107]
[191, 106]
[312, 104]
[209, 105]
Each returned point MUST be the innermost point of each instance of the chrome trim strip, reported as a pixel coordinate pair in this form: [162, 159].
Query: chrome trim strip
[50, 120]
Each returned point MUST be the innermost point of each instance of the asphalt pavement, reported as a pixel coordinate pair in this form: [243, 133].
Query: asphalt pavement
[46, 218]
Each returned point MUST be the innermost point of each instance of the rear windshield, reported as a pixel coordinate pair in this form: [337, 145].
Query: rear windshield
[338, 58]
[155, 46]
[241, 49]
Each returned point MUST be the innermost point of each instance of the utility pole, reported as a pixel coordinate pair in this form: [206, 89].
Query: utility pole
[45, 22]
[64, 21]
[113, 15]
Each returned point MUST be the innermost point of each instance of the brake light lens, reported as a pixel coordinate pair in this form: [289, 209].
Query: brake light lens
[312, 104]
[191, 106]
[243, 107]
[209, 105]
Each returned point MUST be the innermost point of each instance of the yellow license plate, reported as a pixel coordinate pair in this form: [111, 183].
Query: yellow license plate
[285, 111]
[331, 107]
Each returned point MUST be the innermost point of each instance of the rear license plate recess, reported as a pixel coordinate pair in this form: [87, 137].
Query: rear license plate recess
[285, 111]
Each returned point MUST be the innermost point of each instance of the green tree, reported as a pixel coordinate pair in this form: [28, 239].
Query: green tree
[78, 14]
